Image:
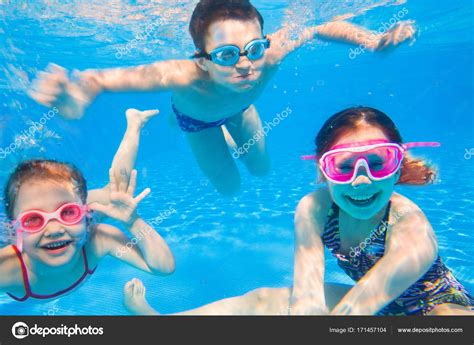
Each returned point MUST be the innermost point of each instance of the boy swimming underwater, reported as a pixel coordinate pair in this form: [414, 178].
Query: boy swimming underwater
[213, 94]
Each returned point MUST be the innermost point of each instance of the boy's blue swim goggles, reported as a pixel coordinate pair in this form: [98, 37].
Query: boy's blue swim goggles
[229, 55]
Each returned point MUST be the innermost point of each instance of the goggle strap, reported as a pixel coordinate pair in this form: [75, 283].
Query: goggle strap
[198, 55]
[422, 144]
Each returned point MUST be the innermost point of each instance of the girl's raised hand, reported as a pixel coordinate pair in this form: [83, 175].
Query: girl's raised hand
[122, 206]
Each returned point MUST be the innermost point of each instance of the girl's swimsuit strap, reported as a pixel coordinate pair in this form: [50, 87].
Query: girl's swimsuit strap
[86, 262]
[26, 281]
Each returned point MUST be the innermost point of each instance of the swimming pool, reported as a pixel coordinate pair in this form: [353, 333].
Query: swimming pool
[226, 247]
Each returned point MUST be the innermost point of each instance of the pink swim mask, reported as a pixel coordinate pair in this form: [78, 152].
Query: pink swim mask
[381, 160]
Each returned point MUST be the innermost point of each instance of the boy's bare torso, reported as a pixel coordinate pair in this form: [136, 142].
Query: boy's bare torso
[204, 100]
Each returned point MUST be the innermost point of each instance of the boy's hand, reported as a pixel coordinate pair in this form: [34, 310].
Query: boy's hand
[399, 33]
[53, 88]
[122, 206]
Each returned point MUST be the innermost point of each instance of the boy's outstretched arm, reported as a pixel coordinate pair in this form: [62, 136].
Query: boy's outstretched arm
[284, 42]
[349, 33]
[53, 87]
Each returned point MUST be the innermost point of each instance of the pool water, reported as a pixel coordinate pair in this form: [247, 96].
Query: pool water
[226, 247]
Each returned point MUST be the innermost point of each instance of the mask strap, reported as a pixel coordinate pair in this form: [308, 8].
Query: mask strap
[422, 144]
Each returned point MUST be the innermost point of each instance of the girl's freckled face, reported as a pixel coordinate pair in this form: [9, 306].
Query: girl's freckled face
[363, 198]
[48, 196]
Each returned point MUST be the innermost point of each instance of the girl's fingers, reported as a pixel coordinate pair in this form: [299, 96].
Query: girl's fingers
[133, 183]
[142, 195]
[113, 182]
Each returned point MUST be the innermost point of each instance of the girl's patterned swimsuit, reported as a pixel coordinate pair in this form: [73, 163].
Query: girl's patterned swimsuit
[437, 286]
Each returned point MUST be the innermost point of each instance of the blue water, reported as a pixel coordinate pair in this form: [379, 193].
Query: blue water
[226, 247]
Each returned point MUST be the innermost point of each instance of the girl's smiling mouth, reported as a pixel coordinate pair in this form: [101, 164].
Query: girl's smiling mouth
[362, 200]
[56, 247]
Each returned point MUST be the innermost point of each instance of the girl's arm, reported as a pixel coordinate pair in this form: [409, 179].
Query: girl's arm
[283, 43]
[308, 282]
[410, 251]
[53, 88]
[146, 249]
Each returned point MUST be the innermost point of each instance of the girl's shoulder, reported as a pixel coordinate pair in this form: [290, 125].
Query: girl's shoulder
[407, 219]
[94, 245]
[403, 207]
[316, 201]
[410, 231]
[8, 258]
[315, 206]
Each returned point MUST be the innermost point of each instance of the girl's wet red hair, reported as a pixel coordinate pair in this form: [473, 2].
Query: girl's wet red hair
[413, 171]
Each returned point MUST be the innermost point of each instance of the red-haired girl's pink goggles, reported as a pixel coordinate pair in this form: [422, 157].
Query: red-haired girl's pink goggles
[381, 160]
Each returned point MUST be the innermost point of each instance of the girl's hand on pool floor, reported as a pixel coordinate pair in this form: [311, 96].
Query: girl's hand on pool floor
[399, 33]
[123, 206]
[53, 88]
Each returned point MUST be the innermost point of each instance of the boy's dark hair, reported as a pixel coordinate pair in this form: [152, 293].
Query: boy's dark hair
[210, 11]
